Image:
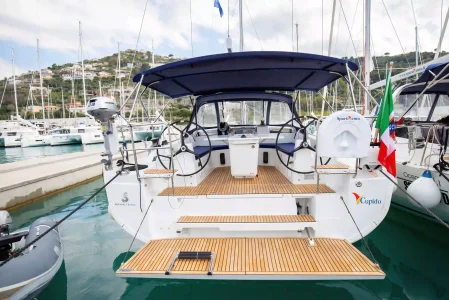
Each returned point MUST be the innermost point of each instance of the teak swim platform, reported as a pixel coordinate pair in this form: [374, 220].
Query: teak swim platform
[250, 258]
[269, 181]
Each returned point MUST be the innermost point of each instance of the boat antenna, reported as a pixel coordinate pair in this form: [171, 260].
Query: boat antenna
[229, 40]
[293, 44]
[241, 24]
[297, 38]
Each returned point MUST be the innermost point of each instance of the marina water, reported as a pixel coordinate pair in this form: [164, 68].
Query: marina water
[412, 251]
[8, 155]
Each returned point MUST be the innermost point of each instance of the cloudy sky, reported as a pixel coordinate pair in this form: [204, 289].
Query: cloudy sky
[267, 26]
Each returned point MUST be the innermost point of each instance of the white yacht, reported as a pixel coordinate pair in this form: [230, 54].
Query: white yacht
[233, 195]
[66, 136]
[13, 131]
[91, 135]
[422, 138]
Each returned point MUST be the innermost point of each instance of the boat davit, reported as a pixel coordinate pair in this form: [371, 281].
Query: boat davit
[26, 275]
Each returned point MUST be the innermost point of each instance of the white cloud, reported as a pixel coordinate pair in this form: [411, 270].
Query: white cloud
[6, 69]
[168, 24]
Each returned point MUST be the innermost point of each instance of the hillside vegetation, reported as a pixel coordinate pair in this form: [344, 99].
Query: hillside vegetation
[179, 109]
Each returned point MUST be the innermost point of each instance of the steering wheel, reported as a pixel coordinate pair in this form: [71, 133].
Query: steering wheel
[304, 144]
[183, 147]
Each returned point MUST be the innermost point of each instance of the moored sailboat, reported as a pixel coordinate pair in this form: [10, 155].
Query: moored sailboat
[229, 196]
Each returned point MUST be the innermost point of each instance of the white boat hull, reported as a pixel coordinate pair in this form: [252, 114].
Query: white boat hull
[92, 138]
[11, 141]
[66, 139]
[38, 141]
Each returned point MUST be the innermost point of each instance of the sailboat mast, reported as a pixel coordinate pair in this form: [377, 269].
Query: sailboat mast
[241, 24]
[119, 76]
[63, 108]
[14, 82]
[416, 49]
[367, 53]
[329, 51]
[73, 93]
[82, 69]
[443, 31]
[152, 65]
[40, 81]
[48, 102]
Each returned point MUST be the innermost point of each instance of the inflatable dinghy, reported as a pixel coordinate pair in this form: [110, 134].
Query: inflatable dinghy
[25, 276]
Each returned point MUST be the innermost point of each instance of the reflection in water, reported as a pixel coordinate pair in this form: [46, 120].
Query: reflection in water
[412, 252]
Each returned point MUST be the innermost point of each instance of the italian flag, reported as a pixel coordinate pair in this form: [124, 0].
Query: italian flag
[386, 126]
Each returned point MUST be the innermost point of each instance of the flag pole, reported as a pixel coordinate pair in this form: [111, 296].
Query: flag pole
[388, 81]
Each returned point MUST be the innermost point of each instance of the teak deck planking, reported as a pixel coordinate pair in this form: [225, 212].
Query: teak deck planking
[253, 256]
[247, 219]
[269, 181]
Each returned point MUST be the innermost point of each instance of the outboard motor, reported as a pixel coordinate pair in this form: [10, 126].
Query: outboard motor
[5, 226]
[5, 222]
[103, 110]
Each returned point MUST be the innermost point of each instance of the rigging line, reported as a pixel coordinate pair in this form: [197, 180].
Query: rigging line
[191, 27]
[375, 57]
[233, 10]
[18, 252]
[352, 25]
[338, 27]
[394, 28]
[249, 13]
[363, 238]
[134, 237]
[137, 43]
[417, 34]
[416, 201]
[350, 34]
[4, 90]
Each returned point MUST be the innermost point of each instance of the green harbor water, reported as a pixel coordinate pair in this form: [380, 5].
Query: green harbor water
[412, 251]
[8, 155]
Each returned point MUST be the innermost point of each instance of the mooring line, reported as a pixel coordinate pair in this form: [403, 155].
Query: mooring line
[18, 252]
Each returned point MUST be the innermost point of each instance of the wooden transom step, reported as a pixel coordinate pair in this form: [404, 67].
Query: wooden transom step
[247, 219]
[332, 169]
[269, 181]
[252, 258]
[158, 173]
[334, 166]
